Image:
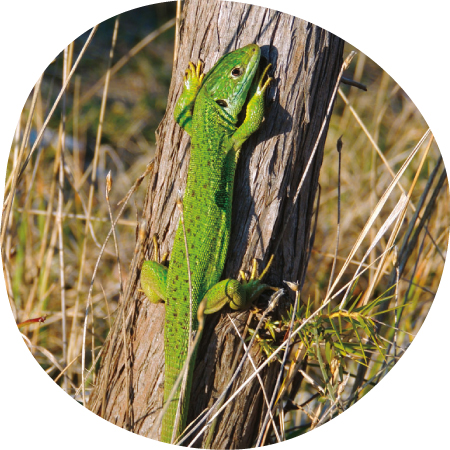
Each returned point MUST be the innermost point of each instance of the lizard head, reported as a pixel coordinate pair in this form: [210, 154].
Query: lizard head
[229, 81]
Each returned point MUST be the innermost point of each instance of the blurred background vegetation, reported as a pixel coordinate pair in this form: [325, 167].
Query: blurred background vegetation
[136, 101]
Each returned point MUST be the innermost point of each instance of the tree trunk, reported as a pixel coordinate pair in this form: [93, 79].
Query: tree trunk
[306, 61]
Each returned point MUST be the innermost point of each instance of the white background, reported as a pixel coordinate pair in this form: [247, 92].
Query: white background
[406, 38]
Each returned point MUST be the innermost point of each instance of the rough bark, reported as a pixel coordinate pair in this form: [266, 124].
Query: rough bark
[306, 61]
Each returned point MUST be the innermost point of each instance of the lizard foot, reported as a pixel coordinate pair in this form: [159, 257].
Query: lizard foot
[193, 76]
[254, 282]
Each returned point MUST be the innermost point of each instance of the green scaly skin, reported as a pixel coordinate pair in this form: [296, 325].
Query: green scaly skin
[208, 110]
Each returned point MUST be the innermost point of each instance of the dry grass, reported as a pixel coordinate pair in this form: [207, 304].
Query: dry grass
[379, 130]
[105, 121]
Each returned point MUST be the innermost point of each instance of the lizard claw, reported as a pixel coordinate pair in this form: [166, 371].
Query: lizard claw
[199, 70]
[194, 75]
[254, 274]
[156, 251]
[263, 85]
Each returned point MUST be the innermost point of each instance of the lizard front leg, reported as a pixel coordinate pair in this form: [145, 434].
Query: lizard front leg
[254, 112]
[192, 83]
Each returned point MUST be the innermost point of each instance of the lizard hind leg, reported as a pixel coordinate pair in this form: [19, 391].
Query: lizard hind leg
[154, 276]
[234, 293]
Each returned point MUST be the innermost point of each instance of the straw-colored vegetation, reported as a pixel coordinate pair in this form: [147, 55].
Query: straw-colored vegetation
[56, 218]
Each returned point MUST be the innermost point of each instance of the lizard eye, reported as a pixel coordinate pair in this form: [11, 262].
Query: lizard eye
[236, 72]
[222, 103]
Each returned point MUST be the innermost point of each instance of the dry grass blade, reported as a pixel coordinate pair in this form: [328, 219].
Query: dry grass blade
[407, 249]
[42, 277]
[338, 221]
[369, 136]
[377, 210]
[335, 403]
[344, 66]
[399, 208]
[378, 273]
[91, 189]
[130, 412]
[124, 204]
[59, 219]
[266, 399]
[55, 104]
[412, 233]
[264, 429]
[122, 61]
[177, 31]
[312, 382]
[45, 352]
[128, 223]
[15, 176]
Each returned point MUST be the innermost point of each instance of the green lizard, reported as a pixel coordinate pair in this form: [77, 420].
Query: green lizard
[209, 111]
